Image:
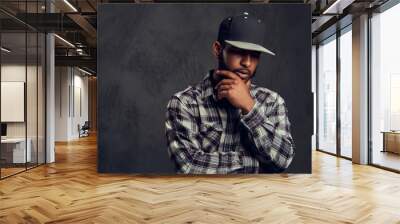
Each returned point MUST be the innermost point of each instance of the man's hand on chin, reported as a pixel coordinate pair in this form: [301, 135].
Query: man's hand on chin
[235, 90]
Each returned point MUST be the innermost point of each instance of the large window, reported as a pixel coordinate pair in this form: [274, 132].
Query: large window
[334, 62]
[327, 95]
[385, 88]
[346, 93]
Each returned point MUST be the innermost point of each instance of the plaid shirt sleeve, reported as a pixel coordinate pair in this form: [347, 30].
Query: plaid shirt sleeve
[269, 128]
[184, 145]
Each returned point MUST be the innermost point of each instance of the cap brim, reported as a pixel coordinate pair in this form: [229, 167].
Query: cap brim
[249, 46]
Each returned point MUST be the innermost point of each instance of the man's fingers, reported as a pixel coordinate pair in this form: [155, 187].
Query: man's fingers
[224, 87]
[222, 94]
[225, 82]
[227, 74]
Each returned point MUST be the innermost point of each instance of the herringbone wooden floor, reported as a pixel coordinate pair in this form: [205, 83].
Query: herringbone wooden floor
[71, 191]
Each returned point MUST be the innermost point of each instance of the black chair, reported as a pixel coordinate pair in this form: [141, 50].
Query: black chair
[84, 130]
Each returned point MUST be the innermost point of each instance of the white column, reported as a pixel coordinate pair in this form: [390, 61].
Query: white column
[50, 93]
[360, 90]
[314, 91]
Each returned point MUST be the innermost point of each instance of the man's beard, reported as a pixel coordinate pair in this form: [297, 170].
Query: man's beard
[222, 66]
[221, 63]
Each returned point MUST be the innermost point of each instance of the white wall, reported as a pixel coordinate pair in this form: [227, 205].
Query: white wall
[33, 127]
[61, 103]
[9, 73]
[16, 72]
[71, 93]
[81, 104]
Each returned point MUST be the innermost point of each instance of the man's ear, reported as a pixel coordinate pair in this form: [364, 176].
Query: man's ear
[217, 49]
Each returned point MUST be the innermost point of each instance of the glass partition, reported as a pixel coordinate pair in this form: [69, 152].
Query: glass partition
[32, 95]
[13, 110]
[22, 88]
[385, 89]
[327, 95]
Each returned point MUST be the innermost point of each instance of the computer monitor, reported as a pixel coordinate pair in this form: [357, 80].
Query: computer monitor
[3, 129]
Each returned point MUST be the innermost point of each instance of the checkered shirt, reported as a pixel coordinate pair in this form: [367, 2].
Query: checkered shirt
[206, 136]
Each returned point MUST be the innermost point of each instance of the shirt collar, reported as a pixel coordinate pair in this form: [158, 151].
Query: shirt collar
[208, 85]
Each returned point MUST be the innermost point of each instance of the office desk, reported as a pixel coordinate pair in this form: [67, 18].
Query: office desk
[15, 148]
[391, 141]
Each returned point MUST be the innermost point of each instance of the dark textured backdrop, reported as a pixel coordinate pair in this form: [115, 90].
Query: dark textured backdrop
[147, 52]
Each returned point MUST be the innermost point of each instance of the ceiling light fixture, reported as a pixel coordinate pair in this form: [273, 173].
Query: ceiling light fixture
[70, 5]
[329, 9]
[64, 40]
[79, 51]
[5, 50]
[337, 7]
[84, 71]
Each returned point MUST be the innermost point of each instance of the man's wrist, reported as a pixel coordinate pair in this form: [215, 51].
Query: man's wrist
[248, 107]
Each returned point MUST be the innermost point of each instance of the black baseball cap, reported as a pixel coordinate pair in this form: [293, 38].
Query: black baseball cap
[243, 31]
